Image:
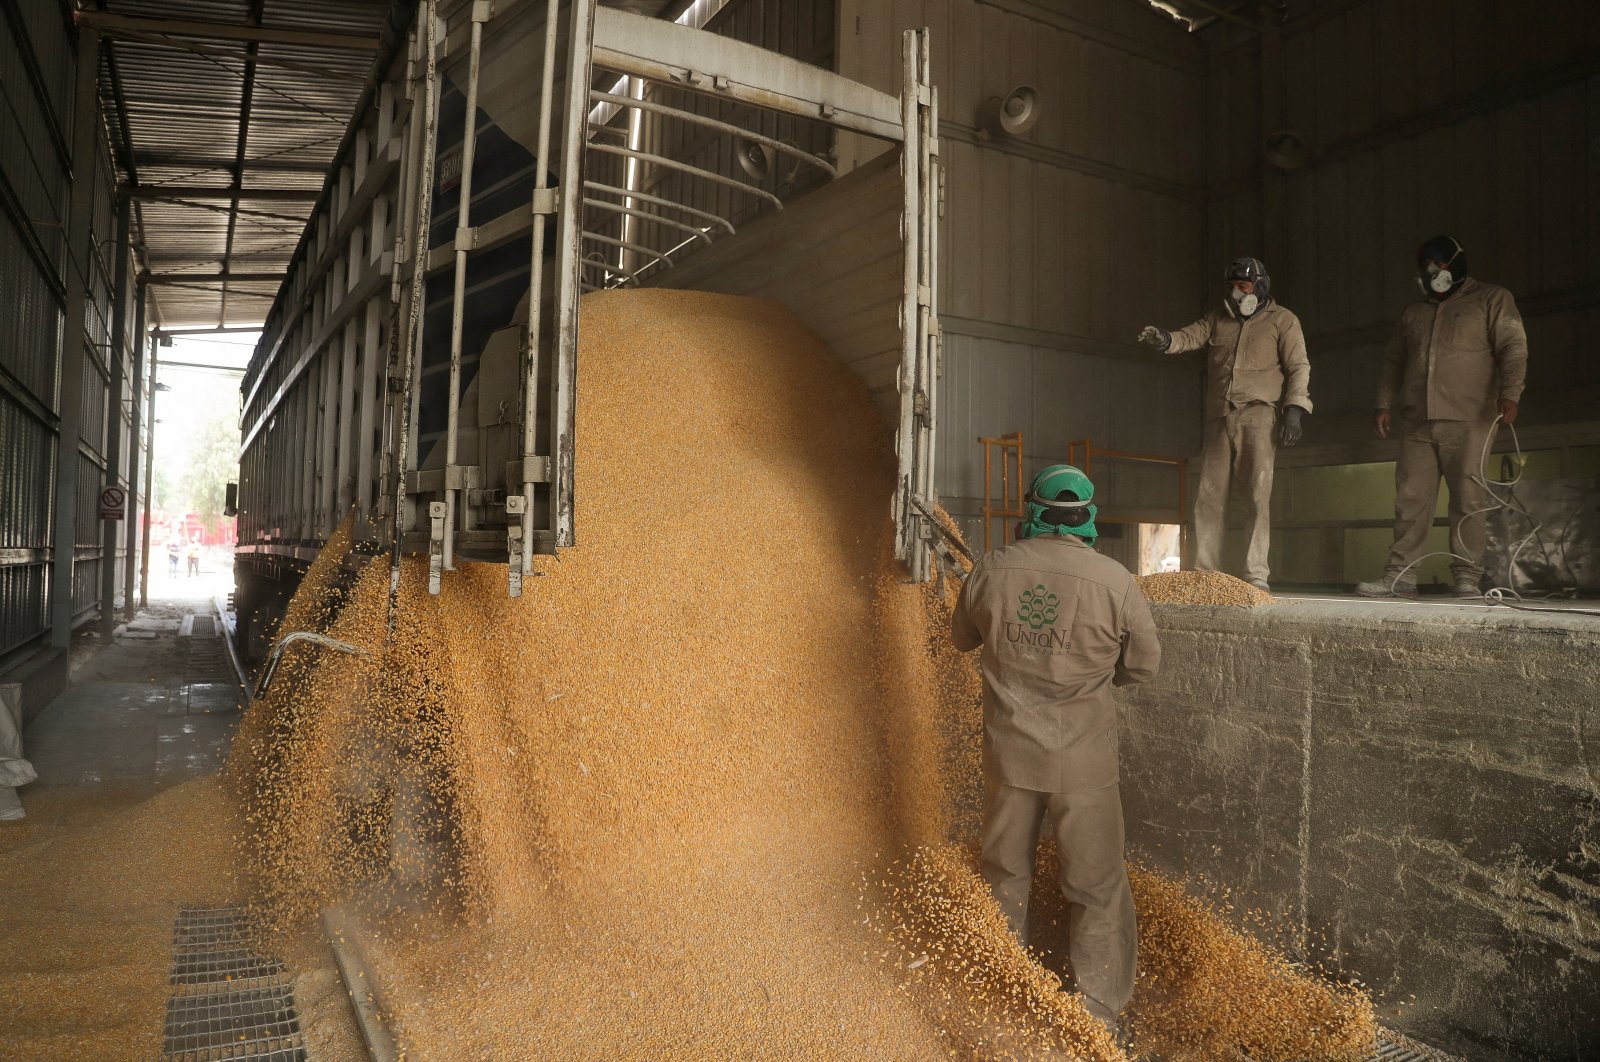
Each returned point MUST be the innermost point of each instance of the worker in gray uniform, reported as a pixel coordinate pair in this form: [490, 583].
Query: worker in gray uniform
[1258, 382]
[1059, 625]
[1453, 370]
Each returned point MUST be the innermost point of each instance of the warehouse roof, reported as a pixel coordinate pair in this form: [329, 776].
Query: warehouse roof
[224, 118]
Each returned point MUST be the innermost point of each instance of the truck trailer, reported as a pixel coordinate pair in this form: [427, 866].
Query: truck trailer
[417, 371]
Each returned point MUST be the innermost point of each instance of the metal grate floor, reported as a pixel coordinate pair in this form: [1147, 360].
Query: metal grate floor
[229, 1002]
[1392, 1047]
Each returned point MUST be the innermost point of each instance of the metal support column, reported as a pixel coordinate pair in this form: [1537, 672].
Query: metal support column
[137, 457]
[119, 352]
[918, 376]
[519, 535]
[464, 239]
[74, 357]
[149, 473]
[564, 379]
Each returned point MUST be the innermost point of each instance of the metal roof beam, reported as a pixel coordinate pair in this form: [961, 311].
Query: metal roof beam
[115, 25]
[246, 95]
[1229, 14]
[212, 278]
[201, 164]
[167, 192]
[234, 55]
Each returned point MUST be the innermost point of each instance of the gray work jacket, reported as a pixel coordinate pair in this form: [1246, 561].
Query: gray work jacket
[1262, 359]
[1059, 625]
[1454, 359]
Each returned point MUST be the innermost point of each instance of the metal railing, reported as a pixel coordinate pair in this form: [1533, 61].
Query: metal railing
[1010, 447]
[1179, 464]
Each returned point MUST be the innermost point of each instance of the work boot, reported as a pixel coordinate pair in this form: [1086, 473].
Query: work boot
[1387, 587]
[1260, 584]
[1469, 586]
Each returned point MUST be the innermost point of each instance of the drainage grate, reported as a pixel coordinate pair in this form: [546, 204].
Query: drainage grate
[229, 1003]
[1392, 1047]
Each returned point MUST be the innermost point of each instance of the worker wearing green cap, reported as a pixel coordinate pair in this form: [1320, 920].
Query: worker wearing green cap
[1060, 625]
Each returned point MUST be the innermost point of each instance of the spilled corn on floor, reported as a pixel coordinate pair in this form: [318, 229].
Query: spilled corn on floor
[88, 927]
[706, 790]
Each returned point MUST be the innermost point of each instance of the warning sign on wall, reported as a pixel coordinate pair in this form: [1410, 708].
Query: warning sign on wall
[113, 503]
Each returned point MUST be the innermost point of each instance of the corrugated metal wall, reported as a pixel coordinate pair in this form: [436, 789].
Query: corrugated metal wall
[37, 67]
[1477, 118]
[1058, 244]
[99, 417]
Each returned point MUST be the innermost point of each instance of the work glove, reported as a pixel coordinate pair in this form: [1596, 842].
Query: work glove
[1155, 337]
[1290, 433]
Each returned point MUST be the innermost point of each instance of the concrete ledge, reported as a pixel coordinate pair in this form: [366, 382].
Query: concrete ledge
[31, 683]
[1417, 785]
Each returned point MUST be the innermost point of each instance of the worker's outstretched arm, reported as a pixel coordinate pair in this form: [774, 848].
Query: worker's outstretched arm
[963, 632]
[1193, 337]
[1141, 649]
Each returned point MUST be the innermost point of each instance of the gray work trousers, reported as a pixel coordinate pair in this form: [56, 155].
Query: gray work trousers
[1103, 940]
[1429, 449]
[1240, 450]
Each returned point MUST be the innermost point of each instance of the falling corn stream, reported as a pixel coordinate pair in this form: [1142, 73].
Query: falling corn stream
[708, 789]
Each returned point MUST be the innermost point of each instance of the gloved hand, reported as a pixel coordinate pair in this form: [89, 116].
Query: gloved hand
[1290, 433]
[1155, 337]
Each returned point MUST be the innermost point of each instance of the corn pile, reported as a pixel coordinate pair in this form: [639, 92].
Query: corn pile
[88, 926]
[1201, 588]
[1207, 991]
[985, 989]
[691, 796]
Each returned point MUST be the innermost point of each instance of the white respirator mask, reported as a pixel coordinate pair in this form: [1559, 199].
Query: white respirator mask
[1439, 279]
[1247, 302]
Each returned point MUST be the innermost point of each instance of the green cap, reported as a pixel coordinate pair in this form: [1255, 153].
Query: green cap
[1048, 486]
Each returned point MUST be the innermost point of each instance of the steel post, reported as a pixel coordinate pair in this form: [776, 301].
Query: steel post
[113, 454]
[149, 474]
[138, 457]
[74, 356]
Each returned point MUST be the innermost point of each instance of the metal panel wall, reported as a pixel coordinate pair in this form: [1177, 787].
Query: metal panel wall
[1478, 119]
[37, 64]
[100, 414]
[1058, 244]
[36, 67]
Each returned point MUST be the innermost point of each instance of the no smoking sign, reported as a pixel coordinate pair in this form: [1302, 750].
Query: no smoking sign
[113, 503]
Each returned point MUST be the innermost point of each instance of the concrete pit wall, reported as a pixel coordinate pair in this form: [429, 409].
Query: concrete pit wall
[1415, 788]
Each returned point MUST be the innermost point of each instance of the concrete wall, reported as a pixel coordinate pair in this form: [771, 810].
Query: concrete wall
[1417, 786]
[1478, 118]
[1057, 243]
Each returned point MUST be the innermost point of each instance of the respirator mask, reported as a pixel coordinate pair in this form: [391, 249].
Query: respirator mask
[1240, 304]
[1436, 279]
